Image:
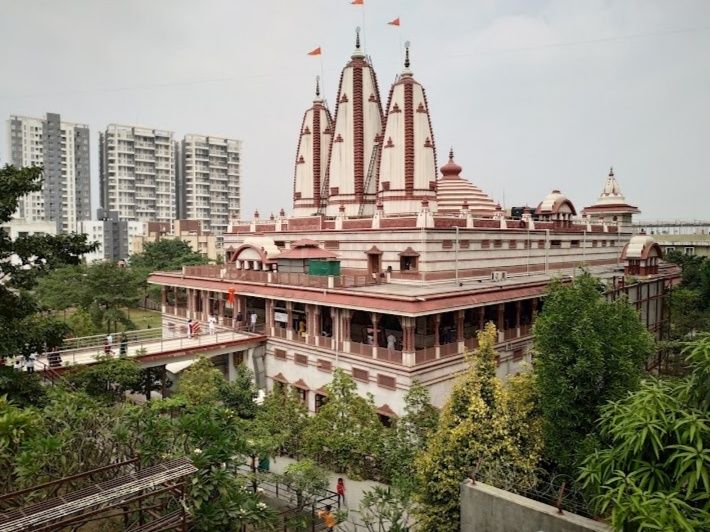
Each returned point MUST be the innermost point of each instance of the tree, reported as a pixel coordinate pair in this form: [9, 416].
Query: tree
[386, 509]
[103, 289]
[240, 393]
[167, 255]
[652, 471]
[346, 433]
[108, 380]
[23, 261]
[200, 383]
[407, 437]
[25, 389]
[307, 480]
[474, 433]
[284, 418]
[588, 350]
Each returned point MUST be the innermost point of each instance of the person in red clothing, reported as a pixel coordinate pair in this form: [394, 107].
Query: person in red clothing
[340, 488]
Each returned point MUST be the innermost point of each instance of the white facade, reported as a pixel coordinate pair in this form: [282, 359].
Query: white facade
[27, 142]
[211, 181]
[138, 173]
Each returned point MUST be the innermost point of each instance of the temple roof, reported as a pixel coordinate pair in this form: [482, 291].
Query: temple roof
[453, 192]
[611, 200]
[555, 202]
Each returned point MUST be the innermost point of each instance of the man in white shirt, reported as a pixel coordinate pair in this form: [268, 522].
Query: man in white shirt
[30, 363]
[252, 319]
[391, 340]
[212, 323]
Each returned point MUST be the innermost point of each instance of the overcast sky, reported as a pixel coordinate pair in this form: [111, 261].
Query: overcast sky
[532, 94]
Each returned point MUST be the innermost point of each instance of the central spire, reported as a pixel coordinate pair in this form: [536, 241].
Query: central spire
[358, 50]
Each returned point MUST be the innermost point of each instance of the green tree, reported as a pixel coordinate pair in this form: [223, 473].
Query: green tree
[285, 419]
[588, 350]
[240, 393]
[386, 509]
[653, 469]
[32, 257]
[346, 433]
[307, 480]
[25, 389]
[407, 437]
[108, 380]
[200, 383]
[102, 289]
[81, 324]
[474, 432]
[166, 255]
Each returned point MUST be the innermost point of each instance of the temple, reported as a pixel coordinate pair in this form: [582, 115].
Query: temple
[388, 267]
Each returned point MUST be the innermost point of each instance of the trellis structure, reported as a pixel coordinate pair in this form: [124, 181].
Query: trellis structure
[156, 495]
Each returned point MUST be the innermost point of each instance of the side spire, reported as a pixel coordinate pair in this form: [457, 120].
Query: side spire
[317, 86]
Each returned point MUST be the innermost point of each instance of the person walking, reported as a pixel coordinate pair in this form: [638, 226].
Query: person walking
[123, 346]
[327, 517]
[19, 363]
[340, 489]
[109, 339]
[239, 320]
[107, 347]
[212, 323]
[189, 328]
[252, 324]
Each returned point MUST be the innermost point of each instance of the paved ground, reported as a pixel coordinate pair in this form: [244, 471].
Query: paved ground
[354, 490]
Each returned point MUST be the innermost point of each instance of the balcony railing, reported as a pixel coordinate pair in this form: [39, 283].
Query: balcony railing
[324, 341]
[217, 271]
[364, 350]
[425, 355]
[449, 349]
[390, 355]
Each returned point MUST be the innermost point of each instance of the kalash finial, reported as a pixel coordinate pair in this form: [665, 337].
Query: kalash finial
[406, 54]
[451, 153]
[317, 86]
[357, 38]
[611, 171]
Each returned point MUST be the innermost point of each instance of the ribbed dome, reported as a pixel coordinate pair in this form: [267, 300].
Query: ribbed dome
[453, 191]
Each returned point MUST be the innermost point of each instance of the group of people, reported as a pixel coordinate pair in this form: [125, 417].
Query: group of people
[28, 363]
[326, 515]
[122, 346]
[252, 321]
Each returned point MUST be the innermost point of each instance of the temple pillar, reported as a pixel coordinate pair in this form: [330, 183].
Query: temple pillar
[500, 322]
[408, 352]
[345, 328]
[375, 318]
[518, 308]
[315, 329]
[460, 315]
[163, 299]
[269, 318]
[481, 318]
[437, 339]
[221, 306]
[289, 324]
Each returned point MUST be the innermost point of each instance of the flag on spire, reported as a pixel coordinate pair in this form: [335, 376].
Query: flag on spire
[315, 52]
[358, 2]
[394, 22]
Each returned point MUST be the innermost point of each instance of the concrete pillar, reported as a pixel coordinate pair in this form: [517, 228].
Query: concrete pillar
[437, 324]
[231, 370]
[459, 325]
[289, 325]
[175, 300]
[315, 329]
[501, 317]
[408, 353]
[269, 319]
[345, 328]
[481, 318]
[163, 299]
[222, 306]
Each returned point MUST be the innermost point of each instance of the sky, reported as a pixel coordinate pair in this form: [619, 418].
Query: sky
[533, 95]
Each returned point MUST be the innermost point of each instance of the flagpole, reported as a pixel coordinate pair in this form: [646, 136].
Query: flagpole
[364, 40]
[322, 78]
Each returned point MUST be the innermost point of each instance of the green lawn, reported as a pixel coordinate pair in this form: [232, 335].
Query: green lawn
[144, 319]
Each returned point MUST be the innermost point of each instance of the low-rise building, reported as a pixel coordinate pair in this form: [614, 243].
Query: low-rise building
[189, 231]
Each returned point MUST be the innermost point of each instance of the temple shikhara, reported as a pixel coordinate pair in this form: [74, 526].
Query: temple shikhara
[387, 264]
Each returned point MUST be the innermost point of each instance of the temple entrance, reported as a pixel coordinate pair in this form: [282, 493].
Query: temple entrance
[374, 263]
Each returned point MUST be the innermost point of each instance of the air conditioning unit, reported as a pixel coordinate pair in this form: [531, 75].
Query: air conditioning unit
[499, 276]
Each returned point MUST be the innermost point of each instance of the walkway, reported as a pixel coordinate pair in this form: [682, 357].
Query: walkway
[149, 349]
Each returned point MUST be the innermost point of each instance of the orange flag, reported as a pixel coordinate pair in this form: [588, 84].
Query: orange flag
[315, 52]
[394, 22]
[358, 2]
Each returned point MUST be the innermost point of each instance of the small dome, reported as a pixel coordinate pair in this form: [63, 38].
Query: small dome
[450, 169]
[454, 193]
[556, 202]
[639, 247]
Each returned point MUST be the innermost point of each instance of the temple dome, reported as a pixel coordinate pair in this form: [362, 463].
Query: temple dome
[556, 203]
[453, 192]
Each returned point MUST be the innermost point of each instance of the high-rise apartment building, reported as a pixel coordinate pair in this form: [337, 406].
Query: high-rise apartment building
[62, 148]
[137, 173]
[208, 183]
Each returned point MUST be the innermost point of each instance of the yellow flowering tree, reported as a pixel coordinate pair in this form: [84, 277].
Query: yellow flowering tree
[476, 429]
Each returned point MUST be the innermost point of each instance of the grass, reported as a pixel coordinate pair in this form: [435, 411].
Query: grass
[142, 318]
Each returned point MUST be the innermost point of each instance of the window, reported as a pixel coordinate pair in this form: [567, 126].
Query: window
[512, 244]
[301, 359]
[689, 251]
[321, 401]
[331, 244]
[280, 354]
[464, 244]
[670, 248]
[555, 244]
[574, 244]
[302, 394]
[540, 244]
[324, 365]
[485, 244]
[408, 264]
[386, 381]
[361, 375]
[497, 243]
[447, 244]
[594, 243]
